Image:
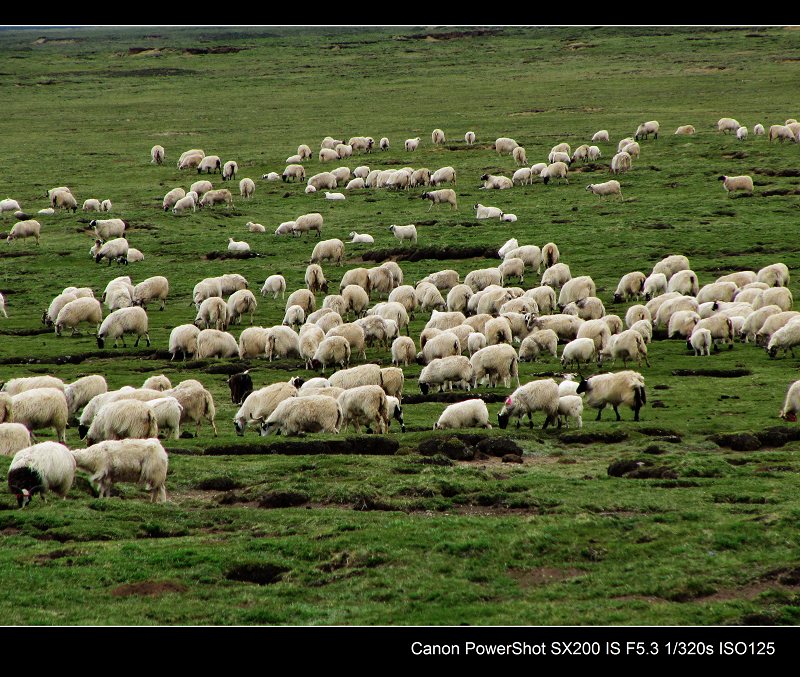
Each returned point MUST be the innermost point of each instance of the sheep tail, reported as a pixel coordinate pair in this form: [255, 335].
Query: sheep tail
[640, 397]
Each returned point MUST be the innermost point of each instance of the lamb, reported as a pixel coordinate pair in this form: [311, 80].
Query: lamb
[309, 222]
[274, 284]
[239, 303]
[444, 373]
[403, 351]
[495, 362]
[13, 437]
[183, 339]
[607, 188]
[733, 183]
[647, 128]
[403, 233]
[538, 342]
[141, 461]
[467, 414]
[741, 133]
[365, 374]
[444, 196]
[758, 130]
[411, 144]
[541, 395]
[190, 160]
[491, 182]
[685, 129]
[80, 310]
[92, 205]
[157, 155]
[482, 212]
[443, 175]
[721, 328]
[214, 197]
[654, 285]
[334, 196]
[361, 238]
[602, 135]
[123, 321]
[213, 310]
[775, 275]
[25, 229]
[620, 163]
[282, 342]
[298, 415]
[82, 390]
[577, 351]
[44, 467]
[113, 250]
[786, 338]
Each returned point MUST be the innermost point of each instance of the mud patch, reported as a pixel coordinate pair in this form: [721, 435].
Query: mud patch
[529, 578]
[217, 484]
[767, 171]
[282, 499]
[218, 49]
[657, 226]
[451, 35]
[148, 589]
[12, 255]
[780, 192]
[260, 574]
[737, 441]
[736, 155]
[778, 436]
[658, 432]
[148, 72]
[26, 332]
[436, 253]
[594, 438]
[636, 469]
[714, 373]
[365, 445]
[53, 555]
[450, 447]
[451, 397]
[213, 256]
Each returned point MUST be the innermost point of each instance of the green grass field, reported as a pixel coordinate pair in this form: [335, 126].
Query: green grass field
[297, 538]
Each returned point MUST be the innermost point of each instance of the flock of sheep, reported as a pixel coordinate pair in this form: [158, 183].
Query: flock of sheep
[496, 324]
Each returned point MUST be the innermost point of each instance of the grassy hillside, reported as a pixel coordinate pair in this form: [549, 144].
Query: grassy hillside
[324, 538]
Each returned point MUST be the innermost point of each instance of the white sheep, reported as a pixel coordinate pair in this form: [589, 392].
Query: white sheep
[172, 197]
[608, 188]
[92, 205]
[213, 310]
[274, 284]
[772, 324]
[758, 130]
[209, 164]
[444, 196]
[308, 222]
[229, 170]
[49, 316]
[43, 467]
[576, 289]
[82, 390]
[411, 144]
[260, 404]
[216, 343]
[482, 212]
[700, 342]
[778, 296]
[403, 233]
[237, 246]
[13, 437]
[654, 285]
[197, 403]
[624, 387]
[42, 408]
[495, 363]
[157, 155]
[541, 395]
[334, 196]
[361, 238]
[590, 308]
[570, 407]
[124, 321]
[785, 338]
[774, 275]
[183, 339]
[741, 133]
[15, 386]
[536, 343]
[646, 128]
[152, 289]
[364, 405]
[384, 143]
[77, 311]
[733, 183]
[321, 181]
[630, 285]
[255, 227]
[214, 197]
[492, 182]
[467, 414]
[25, 229]
[247, 188]
[684, 282]
[781, 132]
[445, 373]
[545, 298]
[620, 163]
[555, 170]
[131, 460]
[602, 135]
[282, 342]
[168, 412]
[298, 415]
[9, 205]
[577, 351]
[628, 345]
[791, 404]
[113, 250]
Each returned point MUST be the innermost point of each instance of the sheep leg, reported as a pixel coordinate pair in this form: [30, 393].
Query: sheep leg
[600, 412]
[616, 411]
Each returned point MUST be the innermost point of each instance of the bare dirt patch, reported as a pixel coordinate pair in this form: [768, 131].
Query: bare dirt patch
[260, 574]
[531, 578]
[148, 589]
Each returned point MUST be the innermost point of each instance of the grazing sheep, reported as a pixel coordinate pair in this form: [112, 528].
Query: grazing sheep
[9, 205]
[365, 374]
[684, 282]
[183, 339]
[781, 132]
[672, 306]
[733, 183]
[624, 387]
[247, 188]
[741, 133]
[602, 135]
[777, 296]
[685, 129]
[121, 420]
[159, 382]
[80, 310]
[775, 275]
[613, 322]
[381, 280]
[721, 328]
[260, 404]
[20, 385]
[538, 342]
[309, 222]
[544, 297]
[555, 170]
[92, 205]
[444, 373]
[444, 196]
[495, 362]
[327, 250]
[727, 125]
[190, 160]
[25, 229]
[636, 313]
[403, 351]
[717, 291]
[298, 415]
[577, 351]
[469, 138]
[123, 321]
[467, 414]
[505, 145]
[130, 460]
[167, 411]
[214, 197]
[411, 144]
[209, 164]
[113, 250]
[282, 342]
[576, 289]
[151, 289]
[565, 326]
[197, 403]
[229, 170]
[671, 265]
[322, 180]
[628, 345]
[791, 404]
[157, 155]
[772, 324]
[82, 390]
[64, 200]
[655, 285]
[212, 311]
[13, 437]
[645, 129]
[608, 188]
[184, 204]
[442, 345]
[597, 330]
[240, 303]
[274, 284]
[541, 395]
[629, 285]
[332, 350]
[364, 405]
[590, 308]
[172, 197]
[43, 467]
[785, 338]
